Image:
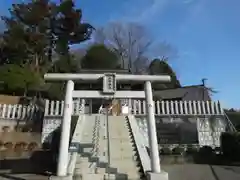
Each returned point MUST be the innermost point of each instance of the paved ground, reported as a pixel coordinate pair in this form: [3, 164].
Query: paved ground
[176, 172]
[202, 172]
[22, 177]
[25, 169]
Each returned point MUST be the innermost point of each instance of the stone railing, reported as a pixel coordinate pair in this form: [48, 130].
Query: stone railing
[55, 108]
[140, 144]
[53, 116]
[17, 111]
[138, 107]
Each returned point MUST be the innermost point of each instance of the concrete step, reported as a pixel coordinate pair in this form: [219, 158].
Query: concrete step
[84, 170]
[123, 153]
[82, 159]
[92, 176]
[122, 142]
[116, 177]
[122, 150]
[123, 164]
[94, 166]
[100, 170]
[121, 131]
[122, 156]
[90, 167]
[120, 145]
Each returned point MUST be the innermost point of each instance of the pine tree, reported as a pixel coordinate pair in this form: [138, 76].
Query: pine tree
[37, 28]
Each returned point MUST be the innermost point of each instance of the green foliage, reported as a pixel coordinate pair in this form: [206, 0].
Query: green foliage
[40, 27]
[99, 57]
[66, 64]
[68, 28]
[34, 31]
[234, 118]
[165, 151]
[158, 67]
[230, 144]
[26, 35]
[178, 150]
[56, 91]
[17, 78]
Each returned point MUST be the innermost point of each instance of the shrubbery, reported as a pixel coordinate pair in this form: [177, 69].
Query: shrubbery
[230, 145]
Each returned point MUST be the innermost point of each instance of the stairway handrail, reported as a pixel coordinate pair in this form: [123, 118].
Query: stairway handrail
[230, 122]
[143, 154]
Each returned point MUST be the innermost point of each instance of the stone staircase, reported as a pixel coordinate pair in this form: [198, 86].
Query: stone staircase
[90, 155]
[99, 160]
[122, 151]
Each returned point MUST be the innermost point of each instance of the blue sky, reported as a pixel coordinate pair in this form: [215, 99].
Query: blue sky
[205, 32]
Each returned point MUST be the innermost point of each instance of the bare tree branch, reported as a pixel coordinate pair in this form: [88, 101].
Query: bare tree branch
[132, 43]
[165, 51]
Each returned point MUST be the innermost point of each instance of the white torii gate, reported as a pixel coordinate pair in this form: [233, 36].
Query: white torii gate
[109, 92]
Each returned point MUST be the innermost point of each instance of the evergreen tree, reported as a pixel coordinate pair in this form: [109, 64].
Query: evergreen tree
[35, 30]
[99, 56]
[161, 67]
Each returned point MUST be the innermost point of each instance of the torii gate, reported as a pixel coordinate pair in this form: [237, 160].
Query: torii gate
[109, 91]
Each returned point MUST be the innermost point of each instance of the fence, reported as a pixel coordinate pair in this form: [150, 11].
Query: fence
[53, 116]
[138, 107]
[17, 111]
[54, 112]
[55, 108]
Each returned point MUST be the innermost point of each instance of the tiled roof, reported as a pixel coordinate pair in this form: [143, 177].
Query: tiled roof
[185, 93]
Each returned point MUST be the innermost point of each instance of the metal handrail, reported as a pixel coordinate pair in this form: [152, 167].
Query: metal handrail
[230, 122]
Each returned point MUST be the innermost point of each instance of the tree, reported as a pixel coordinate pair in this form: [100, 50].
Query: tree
[129, 41]
[19, 79]
[160, 67]
[99, 56]
[65, 65]
[56, 91]
[25, 38]
[37, 28]
[132, 43]
[141, 65]
[68, 28]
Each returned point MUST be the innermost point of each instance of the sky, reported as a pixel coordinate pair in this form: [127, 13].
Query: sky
[206, 34]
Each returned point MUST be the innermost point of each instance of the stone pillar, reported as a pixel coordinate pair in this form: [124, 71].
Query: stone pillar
[65, 131]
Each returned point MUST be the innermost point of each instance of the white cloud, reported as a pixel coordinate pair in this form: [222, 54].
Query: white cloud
[142, 11]
[153, 11]
[196, 12]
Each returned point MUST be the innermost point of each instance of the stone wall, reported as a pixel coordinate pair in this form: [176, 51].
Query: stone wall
[11, 124]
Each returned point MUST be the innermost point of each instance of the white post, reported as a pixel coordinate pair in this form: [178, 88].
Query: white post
[65, 131]
[129, 106]
[90, 106]
[152, 134]
[82, 106]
